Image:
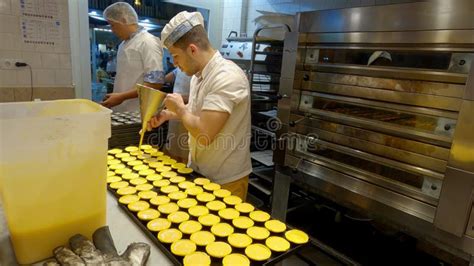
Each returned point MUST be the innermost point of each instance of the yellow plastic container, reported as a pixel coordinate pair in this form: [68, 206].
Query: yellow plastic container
[53, 165]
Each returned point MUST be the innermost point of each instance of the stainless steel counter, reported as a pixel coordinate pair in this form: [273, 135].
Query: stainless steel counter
[123, 230]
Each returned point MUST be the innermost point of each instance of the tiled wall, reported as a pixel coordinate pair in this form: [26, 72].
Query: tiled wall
[286, 7]
[51, 66]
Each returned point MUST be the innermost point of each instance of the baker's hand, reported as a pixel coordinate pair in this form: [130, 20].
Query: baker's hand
[102, 252]
[175, 103]
[112, 99]
[159, 119]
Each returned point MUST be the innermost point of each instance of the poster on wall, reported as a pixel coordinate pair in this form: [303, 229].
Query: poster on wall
[40, 23]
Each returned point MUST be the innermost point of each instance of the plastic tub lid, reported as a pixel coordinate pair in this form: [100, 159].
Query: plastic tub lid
[131, 148]
[163, 169]
[218, 249]
[134, 163]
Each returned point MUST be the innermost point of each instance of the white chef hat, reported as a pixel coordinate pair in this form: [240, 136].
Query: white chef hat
[179, 25]
[122, 13]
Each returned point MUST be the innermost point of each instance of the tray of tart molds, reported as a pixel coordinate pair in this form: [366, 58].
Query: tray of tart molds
[191, 219]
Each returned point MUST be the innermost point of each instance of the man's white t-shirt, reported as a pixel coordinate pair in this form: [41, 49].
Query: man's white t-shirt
[139, 59]
[222, 86]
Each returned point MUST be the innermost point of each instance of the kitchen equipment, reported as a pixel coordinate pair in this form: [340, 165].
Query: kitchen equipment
[53, 172]
[379, 116]
[151, 102]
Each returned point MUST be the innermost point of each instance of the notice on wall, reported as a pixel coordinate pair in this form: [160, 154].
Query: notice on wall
[40, 23]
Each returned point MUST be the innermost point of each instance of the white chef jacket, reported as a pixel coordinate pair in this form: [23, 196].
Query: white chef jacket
[139, 59]
[222, 86]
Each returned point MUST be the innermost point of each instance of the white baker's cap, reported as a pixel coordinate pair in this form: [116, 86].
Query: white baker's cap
[122, 13]
[179, 25]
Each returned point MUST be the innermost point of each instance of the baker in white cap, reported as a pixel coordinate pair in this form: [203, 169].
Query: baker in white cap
[139, 58]
[217, 115]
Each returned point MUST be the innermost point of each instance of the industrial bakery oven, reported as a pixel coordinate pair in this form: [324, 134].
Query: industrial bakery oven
[377, 113]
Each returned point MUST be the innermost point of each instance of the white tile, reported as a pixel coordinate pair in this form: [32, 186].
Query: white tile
[49, 60]
[6, 22]
[23, 77]
[6, 42]
[5, 7]
[10, 54]
[63, 77]
[32, 58]
[43, 77]
[65, 60]
[15, 7]
[7, 77]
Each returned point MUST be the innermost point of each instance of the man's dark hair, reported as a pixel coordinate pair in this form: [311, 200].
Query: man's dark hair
[196, 36]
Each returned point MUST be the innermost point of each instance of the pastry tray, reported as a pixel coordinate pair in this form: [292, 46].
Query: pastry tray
[177, 260]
